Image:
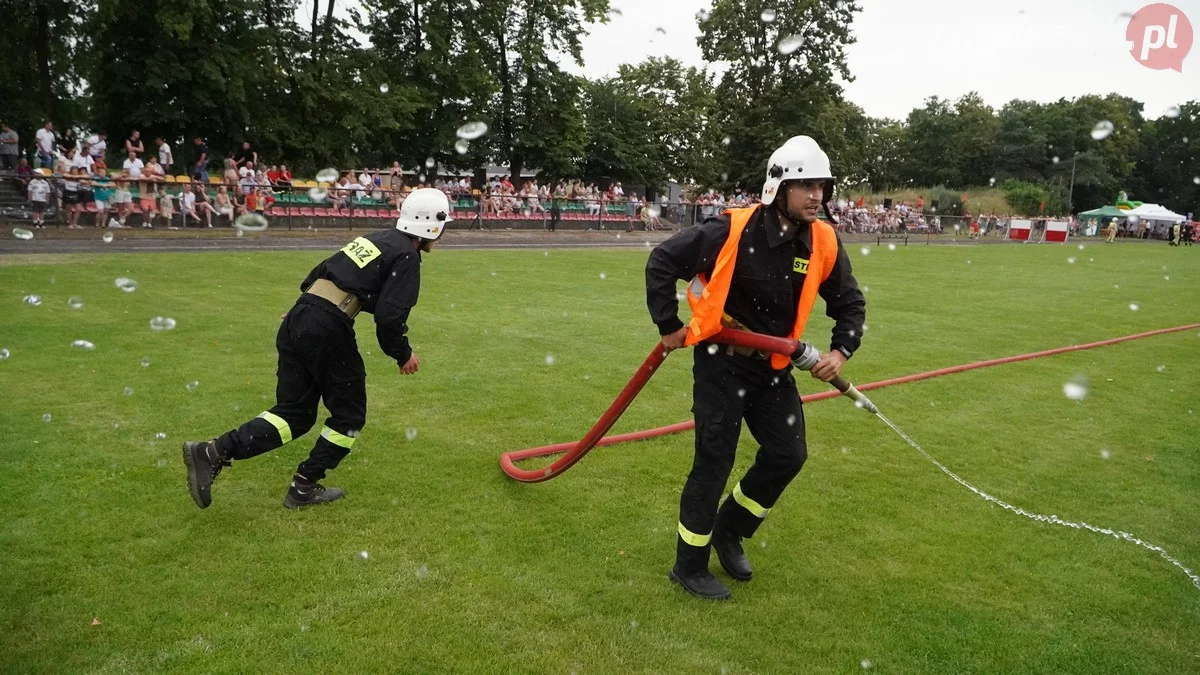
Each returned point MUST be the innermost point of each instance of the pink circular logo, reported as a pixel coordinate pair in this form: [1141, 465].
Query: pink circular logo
[1159, 37]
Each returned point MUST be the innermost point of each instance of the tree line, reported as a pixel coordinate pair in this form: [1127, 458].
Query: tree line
[307, 91]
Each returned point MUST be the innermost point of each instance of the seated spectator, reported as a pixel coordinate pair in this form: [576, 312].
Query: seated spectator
[284, 180]
[222, 204]
[187, 204]
[203, 206]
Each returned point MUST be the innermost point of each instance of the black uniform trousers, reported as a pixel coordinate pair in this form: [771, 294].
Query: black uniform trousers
[318, 359]
[729, 388]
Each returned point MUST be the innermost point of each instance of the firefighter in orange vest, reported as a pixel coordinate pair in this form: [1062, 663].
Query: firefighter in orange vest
[757, 268]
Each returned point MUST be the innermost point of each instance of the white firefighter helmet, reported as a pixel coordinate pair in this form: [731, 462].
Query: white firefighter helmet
[424, 214]
[800, 158]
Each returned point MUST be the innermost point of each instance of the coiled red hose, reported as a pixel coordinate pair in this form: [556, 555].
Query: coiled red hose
[595, 436]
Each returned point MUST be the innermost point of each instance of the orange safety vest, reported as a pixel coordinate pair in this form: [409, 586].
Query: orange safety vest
[707, 295]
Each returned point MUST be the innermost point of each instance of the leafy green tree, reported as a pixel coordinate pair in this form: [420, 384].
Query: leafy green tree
[778, 77]
[43, 42]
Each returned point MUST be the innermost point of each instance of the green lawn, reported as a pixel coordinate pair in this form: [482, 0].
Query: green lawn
[873, 554]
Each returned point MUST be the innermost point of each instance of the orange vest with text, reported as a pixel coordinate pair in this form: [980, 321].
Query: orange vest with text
[707, 296]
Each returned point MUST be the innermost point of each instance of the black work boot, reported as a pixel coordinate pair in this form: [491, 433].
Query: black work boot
[305, 492]
[204, 461]
[728, 546]
[691, 572]
[701, 584]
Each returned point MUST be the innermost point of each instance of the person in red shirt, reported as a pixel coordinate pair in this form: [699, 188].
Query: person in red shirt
[273, 174]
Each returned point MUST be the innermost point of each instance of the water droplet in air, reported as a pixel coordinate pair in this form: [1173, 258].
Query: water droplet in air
[471, 130]
[713, 349]
[1172, 111]
[1166, 278]
[865, 663]
[865, 251]
[768, 15]
[422, 571]
[383, 88]
[75, 302]
[1102, 130]
[160, 436]
[790, 44]
[250, 222]
[703, 15]
[1196, 180]
[145, 361]
[161, 463]
[107, 237]
[329, 175]
[891, 247]
[1071, 260]
[22, 233]
[161, 323]
[128, 391]
[791, 420]
[1054, 159]
[191, 386]
[4, 354]
[1076, 388]
[741, 393]
[35, 300]
[125, 284]
[318, 194]
[992, 181]
[1161, 368]
[1134, 306]
[549, 359]
[46, 417]
[1081, 247]
[725, 141]
[603, 276]
[363, 555]
[1105, 454]
[410, 433]
[429, 162]
[83, 344]
[461, 146]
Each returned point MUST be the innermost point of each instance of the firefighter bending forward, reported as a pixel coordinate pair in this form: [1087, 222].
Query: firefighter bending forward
[379, 273]
[760, 269]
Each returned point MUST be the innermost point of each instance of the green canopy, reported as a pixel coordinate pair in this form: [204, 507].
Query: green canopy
[1106, 211]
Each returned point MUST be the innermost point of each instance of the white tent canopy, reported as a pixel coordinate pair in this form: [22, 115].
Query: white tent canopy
[1156, 212]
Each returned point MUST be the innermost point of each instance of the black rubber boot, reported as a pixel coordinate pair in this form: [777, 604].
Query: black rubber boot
[691, 572]
[701, 584]
[728, 546]
[304, 492]
[204, 461]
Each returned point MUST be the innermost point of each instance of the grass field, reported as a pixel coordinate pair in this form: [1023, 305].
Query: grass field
[873, 557]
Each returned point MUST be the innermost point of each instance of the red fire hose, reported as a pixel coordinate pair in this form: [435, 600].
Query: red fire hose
[595, 437]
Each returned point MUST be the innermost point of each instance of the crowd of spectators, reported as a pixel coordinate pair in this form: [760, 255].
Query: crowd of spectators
[146, 182]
